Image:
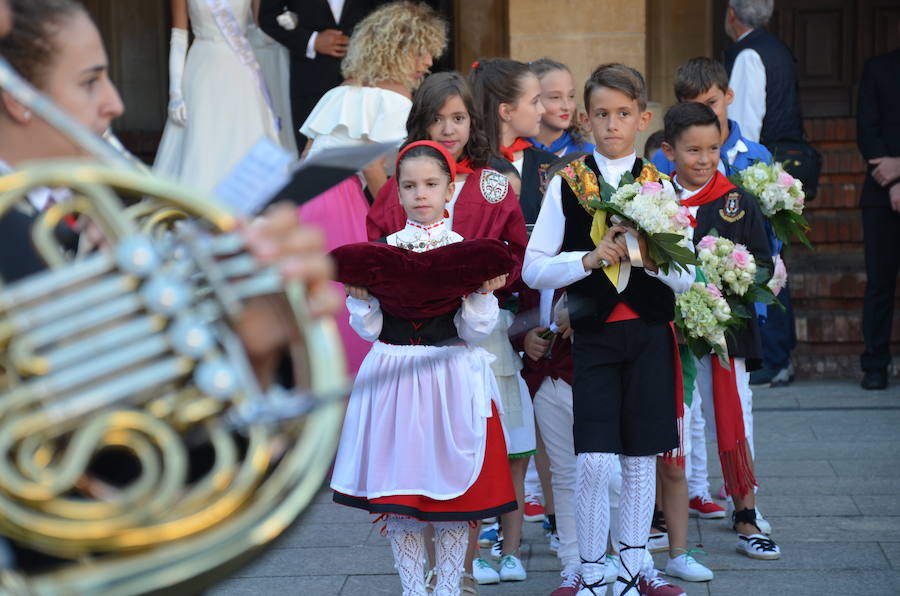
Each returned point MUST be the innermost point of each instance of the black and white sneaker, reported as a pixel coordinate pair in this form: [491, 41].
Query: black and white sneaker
[758, 546]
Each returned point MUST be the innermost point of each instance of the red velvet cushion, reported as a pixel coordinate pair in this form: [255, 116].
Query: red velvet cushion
[415, 285]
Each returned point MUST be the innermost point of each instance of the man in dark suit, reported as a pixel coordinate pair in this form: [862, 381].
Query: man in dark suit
[317, 42]
[878, 137]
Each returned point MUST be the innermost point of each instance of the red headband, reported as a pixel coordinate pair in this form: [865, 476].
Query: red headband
[440, 148]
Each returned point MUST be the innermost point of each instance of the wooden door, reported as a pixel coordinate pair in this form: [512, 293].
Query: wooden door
[136, 35]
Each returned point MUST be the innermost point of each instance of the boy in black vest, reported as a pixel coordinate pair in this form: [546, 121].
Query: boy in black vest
[693, 136]
[623, 348]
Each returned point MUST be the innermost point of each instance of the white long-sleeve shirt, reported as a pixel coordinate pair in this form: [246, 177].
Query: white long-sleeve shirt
[546, 268]
[748, 81]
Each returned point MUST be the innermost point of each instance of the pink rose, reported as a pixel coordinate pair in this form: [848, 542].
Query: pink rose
[707, 242]
[741, 257]
[713, 291]
[648, 188]
[785, 180]
[683, 217]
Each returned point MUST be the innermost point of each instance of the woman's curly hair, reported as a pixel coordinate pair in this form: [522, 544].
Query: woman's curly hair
[386, 44]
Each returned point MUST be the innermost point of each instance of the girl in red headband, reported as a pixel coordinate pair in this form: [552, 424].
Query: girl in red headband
[422, 440]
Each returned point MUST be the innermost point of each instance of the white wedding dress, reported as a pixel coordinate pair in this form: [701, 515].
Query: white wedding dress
[226, 110]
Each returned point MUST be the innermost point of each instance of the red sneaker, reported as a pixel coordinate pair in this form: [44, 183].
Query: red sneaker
[534, 511]
[570, 583]
[706, 508]
[652, 584]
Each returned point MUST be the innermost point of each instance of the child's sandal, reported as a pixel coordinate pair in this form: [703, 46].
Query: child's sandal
[466, 588]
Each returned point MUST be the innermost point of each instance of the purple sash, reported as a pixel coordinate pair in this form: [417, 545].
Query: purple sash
[230, 28]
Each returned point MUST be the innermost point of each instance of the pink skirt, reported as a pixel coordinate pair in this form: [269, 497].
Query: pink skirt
[341, 213]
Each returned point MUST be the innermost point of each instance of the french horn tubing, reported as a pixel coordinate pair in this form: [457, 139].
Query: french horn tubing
[133, 352]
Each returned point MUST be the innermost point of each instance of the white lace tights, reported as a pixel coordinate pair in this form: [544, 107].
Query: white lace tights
[451, 540]
[408, 544]
[592, 511]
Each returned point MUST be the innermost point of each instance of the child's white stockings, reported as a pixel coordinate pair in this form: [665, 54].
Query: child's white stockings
[451, 540]
[408, 544]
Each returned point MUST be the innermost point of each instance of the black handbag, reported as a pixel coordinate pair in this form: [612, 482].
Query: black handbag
[802, 161]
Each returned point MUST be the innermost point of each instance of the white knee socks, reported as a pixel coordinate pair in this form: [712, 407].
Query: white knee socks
[638, 495]
[592, 512]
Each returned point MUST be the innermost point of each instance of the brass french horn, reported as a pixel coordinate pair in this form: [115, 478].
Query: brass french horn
[133, 350]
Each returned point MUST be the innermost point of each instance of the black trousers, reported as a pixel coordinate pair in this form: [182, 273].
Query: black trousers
[623, 389]
[881, 234]
[779, 337]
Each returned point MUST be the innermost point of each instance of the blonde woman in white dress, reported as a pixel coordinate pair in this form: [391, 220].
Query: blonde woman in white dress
[390, 52]
[219, 106]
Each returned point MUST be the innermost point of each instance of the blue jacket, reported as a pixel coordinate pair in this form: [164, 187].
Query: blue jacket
[748, 153]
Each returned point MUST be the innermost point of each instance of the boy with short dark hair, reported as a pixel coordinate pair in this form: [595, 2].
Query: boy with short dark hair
[703, 80]
[692, 142]
[623, 350]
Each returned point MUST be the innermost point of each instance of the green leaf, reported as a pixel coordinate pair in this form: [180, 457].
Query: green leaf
[627, 178]
[606, 189]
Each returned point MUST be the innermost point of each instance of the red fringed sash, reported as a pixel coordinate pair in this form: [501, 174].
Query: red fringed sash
[734, 452]
[677, 455]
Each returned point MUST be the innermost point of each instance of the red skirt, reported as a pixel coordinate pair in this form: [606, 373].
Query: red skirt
[492, 493]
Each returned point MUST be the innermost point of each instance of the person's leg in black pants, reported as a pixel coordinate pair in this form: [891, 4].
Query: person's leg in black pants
[881, 234]
[779, 338]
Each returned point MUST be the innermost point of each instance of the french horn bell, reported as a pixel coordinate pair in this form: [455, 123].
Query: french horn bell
[132, 351]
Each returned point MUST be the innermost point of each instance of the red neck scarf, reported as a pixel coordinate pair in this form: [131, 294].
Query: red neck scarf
[519, 144]
[464, 166]
[717, 186]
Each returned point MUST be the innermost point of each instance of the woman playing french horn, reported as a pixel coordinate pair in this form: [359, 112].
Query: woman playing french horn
[55, 45]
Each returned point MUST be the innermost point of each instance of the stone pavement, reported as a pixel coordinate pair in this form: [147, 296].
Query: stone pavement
[828, 460]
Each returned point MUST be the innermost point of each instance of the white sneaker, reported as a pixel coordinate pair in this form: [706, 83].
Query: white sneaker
[488, 521]
[611, 571]
[657, 543]
[484, 573]
[554, 542]
[758, 546]
[688, 568]
[511, 569]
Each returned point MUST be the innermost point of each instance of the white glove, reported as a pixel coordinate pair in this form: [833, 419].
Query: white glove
[177, 56]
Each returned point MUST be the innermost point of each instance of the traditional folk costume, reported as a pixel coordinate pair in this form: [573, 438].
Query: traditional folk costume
[625, 390]
[483, 206]
[422, 439]
[736, 154]
[723, 398]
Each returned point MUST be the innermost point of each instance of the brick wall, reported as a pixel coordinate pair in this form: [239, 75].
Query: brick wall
[828, 283]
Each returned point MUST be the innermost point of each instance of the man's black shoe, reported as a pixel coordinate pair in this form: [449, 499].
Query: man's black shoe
[875, 378]
[762, 376]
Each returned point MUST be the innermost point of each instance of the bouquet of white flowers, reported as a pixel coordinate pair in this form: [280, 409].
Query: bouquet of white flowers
[732, 269]
[780, 196]
[657, 213]
[703, 316]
